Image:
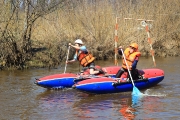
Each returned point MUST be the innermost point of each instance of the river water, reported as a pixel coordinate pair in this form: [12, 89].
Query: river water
[22, 99]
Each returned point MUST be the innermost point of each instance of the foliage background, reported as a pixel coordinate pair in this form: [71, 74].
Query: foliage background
[35, 33]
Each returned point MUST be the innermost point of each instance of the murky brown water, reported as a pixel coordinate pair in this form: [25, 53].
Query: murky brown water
[22, 99]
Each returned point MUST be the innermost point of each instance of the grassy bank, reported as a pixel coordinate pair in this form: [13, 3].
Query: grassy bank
[94, 23]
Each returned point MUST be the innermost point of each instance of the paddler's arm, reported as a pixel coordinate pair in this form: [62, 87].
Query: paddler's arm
[81, 48]
[74, 46]
[134, 64]
[73, 60]
[70, 61]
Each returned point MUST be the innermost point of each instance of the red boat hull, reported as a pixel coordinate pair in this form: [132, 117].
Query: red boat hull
[67, 80]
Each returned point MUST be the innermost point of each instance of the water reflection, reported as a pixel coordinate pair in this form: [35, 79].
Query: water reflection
[147, 104]
[22, 99]
[55, 103]
[126, 110]
[108, 106]
[88, 107]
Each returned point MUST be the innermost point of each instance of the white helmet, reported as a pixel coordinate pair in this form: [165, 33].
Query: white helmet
[78, 41]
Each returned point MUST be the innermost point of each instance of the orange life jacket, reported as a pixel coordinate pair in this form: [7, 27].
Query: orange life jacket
[130, 57]
[85, 59]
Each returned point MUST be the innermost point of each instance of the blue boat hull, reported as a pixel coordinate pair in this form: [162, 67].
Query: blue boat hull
[106, 85]
[57, 81]
[67, 80]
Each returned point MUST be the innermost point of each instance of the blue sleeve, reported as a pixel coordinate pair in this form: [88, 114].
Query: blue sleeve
[134, 64]
[75, 57]
[83, 49]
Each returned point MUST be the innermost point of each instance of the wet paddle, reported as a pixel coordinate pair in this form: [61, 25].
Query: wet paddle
[135, 89]
[66, 59]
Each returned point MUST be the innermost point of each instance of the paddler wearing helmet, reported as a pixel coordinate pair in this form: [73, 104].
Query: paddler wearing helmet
[132, 56]
[84, 57]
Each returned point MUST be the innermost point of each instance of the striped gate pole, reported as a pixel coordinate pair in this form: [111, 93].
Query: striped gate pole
[115, 42]
[150, 42]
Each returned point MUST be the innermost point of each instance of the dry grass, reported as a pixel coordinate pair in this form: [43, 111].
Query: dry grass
[94, 23]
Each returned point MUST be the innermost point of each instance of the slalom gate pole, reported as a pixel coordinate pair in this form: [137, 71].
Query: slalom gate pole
[150, 43]
[115, 42]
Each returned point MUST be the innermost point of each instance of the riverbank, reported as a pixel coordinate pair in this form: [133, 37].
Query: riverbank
[40, 38]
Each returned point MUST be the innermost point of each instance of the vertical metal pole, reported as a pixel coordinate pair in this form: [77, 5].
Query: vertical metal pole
[150, 43]
[115, 41]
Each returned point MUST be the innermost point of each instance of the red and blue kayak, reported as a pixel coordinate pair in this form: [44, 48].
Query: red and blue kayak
[150, 77]
[67, 80]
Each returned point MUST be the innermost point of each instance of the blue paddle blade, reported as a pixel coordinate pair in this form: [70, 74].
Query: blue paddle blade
[136, 101]
[136, 92]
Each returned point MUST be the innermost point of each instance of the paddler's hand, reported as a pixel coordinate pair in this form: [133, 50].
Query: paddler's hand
[120, 50]
[120, 47]
[70, 44]
[67, 62]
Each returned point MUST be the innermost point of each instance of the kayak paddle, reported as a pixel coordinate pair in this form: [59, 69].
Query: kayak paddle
[66, 59]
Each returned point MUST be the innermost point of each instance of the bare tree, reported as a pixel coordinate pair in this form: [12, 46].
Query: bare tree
[15, 40]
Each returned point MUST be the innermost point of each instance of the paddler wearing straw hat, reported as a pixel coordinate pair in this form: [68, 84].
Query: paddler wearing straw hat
[132, 56]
